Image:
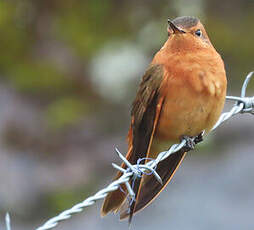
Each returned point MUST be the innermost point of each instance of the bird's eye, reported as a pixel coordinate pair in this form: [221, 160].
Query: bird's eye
[198, 33]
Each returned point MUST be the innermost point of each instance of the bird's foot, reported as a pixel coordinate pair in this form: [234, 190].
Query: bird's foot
[190, 143]
[199, 138]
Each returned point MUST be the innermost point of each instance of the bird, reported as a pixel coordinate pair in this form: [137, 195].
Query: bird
[181, 94]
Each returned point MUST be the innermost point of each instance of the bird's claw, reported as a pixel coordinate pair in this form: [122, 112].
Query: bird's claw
[199, 138]
[191, 142]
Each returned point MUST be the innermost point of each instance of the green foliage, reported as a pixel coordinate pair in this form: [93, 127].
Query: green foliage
[84, 27]
[37, 77]
[14, 39]
[65, 112]
[56, 202]
[233, 39]
[89, 26]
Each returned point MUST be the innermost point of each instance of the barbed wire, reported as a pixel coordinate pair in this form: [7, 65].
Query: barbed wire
[243, 104]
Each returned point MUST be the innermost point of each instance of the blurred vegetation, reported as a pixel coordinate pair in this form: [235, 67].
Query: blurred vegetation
[47, 47]
[84, 27]
[58, 201]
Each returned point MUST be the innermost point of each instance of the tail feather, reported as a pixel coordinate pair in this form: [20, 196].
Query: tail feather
[150, 188]
[114, 200]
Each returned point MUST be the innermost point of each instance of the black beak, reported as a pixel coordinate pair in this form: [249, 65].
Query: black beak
[175, 29]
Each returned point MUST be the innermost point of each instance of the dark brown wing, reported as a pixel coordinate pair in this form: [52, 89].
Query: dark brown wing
[143, 115]
[143, 148]
[144, 110]
[148, 188]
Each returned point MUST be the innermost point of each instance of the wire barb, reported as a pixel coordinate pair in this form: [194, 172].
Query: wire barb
[243, 105]
[8, 221]
[245, 84]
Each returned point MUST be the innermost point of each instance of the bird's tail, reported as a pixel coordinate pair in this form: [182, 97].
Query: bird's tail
[114, 200]
[148, 189]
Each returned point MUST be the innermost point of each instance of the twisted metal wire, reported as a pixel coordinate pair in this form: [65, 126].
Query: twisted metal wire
[243, 105]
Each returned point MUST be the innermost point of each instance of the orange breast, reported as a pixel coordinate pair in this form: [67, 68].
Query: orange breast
[194, 87]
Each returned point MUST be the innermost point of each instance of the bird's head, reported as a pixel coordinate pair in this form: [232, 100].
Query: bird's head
[186, 33]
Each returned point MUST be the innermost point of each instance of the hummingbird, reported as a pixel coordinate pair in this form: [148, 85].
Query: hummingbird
[182, 93]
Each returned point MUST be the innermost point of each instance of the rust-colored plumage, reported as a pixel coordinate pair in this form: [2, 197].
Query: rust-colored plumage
[182, 93]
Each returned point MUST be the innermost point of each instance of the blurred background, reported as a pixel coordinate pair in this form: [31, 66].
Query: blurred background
[69, 71]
